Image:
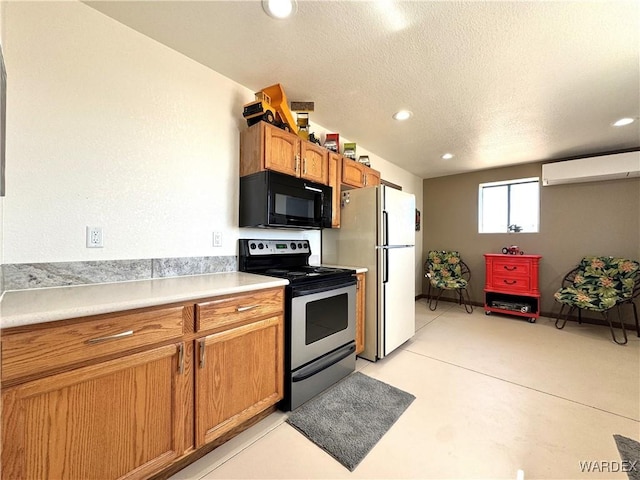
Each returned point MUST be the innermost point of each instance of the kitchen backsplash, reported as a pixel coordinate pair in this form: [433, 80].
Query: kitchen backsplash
[20, 276]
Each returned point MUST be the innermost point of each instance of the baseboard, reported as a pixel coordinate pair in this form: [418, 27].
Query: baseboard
[551, 315]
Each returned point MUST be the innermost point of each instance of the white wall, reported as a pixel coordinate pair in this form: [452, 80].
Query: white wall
[106, 127]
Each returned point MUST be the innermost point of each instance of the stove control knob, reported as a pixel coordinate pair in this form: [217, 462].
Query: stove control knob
[293, 246]
[260, 246]
[299, 245]
[252, 246]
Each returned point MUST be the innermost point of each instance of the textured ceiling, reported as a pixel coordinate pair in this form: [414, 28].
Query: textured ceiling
[495, 83]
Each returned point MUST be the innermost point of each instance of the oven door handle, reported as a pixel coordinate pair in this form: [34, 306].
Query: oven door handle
[324, 363]
[300, 291]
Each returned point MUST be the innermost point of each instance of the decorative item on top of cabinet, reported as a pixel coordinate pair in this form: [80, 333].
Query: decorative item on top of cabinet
[511, 285]
[266, 147]
[358, 175]
[360, 309]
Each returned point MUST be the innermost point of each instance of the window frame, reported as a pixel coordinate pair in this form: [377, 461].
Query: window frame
[508, 183]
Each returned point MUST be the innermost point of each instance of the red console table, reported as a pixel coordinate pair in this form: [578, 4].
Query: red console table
[511, 285]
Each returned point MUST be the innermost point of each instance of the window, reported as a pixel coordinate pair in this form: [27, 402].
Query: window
[509, 206]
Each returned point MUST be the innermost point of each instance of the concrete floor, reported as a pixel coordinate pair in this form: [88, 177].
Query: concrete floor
[496, 397]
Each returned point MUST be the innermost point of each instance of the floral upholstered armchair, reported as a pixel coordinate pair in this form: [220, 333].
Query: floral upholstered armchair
[600, 284]
[446, 271]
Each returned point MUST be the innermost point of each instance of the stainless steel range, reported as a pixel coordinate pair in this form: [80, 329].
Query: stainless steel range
[319, 315]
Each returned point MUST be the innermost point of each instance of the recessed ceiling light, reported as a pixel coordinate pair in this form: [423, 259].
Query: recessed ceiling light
[623, 121]
[279, 8]
[447, 156]
[402, 115]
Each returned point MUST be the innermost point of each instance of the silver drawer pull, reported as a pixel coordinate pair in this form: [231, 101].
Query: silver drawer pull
[244, 309]
[109, 337]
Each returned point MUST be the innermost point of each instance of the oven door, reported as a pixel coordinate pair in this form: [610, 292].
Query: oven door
[323, 318]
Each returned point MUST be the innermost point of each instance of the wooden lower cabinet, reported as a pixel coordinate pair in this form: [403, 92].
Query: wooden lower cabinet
[239, 373]
[120, 418]
[360, 307]
[135, 408]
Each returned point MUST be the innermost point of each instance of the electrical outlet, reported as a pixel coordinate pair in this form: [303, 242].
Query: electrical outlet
[94, 237]
[217, 239]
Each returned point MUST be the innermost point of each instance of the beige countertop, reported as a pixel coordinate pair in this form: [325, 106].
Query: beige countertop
[39, 305]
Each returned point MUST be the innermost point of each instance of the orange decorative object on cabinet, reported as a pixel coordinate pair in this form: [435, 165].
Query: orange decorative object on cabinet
[511, 285]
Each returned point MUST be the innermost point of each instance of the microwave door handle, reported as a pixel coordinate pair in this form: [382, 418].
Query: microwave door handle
[318, 190]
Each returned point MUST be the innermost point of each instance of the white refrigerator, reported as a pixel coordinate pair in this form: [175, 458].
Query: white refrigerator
[377, 231]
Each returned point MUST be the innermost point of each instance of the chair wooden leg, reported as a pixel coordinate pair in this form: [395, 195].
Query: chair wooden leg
[613, 334]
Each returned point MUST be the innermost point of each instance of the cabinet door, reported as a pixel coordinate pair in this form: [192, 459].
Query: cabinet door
[118, 419]
[352, 173]
[360, 306]
[281, 150]
[239, 373]
[335, 179]
[314, 163]
[371, 177]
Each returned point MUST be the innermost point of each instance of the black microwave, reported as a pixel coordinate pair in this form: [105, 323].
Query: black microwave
[275, 200]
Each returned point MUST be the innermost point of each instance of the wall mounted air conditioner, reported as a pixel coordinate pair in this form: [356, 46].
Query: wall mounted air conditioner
[592, 169]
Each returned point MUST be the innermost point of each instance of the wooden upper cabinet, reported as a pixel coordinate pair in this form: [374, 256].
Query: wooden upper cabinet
[281, 150]
[335, 179]
[266, 147]
[372, 177]
[358, 175]
[314, 162]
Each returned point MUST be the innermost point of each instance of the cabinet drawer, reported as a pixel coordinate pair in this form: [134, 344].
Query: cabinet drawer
[504, 268]
[511, 283]
[238, 308]
[27, 352]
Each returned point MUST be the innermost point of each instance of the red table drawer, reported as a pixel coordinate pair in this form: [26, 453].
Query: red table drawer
[508, 267]
[511, 283]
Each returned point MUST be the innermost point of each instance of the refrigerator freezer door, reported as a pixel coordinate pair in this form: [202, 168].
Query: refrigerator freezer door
[397, 302]
[398, 217]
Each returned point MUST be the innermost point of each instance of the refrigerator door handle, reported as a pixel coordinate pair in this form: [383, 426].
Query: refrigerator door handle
[385, 224]
[385, 278]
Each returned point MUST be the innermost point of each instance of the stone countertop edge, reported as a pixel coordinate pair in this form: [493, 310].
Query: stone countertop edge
[41, 305]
